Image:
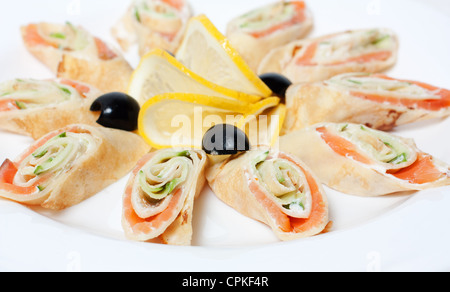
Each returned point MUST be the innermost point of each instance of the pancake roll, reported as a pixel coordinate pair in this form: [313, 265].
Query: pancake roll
[255, 33]
[274, 188]
[71, 52]
[153, 24]
[159, 198]
[70, 165]
[36, 107]
[375, 100]
[319, 59]
[357, 160]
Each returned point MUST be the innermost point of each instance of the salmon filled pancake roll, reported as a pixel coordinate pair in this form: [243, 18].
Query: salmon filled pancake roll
[159, 198]
[36, 107]
[318, 59]
[375, 100]
[274, 188]
[153, 24]
[357, 160]
[71, 52]
[69, 165]
[257, 32]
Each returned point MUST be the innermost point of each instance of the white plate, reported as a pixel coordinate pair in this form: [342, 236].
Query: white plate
[393, 233]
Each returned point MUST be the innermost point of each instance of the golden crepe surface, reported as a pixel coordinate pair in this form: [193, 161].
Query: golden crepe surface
[255, 33]
[153, 24]
[70, 165]
[36, 107]
[375, 100]
[159, 198]
[357, 160]
[71, 52]
[318, 59]
[274, 188]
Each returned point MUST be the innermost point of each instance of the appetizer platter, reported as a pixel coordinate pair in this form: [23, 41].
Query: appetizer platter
[186, 135]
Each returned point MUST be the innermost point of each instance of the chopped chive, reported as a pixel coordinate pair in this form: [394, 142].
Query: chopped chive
[136, 14]
[63, 135]
[20, 104]
[40, 188]
[184, 153]
[288, 206]
[38, 170]
[41, 154]
[354, 81]
[399, 159]
[388, 144]
[344, 128]
[376, 42]
[67, 91]
[58, 35]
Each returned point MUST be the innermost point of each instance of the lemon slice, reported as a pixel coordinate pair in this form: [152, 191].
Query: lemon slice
[263, 129]
[208, 53]
[179, 120]
[254, 110]
[159, 73]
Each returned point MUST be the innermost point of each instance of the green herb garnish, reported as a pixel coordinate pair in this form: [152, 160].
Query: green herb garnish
[136, 14]
[58, 35]
[65, 90]
[20, 105]
[354, 81]
[399, 159]
[376, 42]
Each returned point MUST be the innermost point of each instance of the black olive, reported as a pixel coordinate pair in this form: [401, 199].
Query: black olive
[277, 83]
[225, 139]
[118, 111]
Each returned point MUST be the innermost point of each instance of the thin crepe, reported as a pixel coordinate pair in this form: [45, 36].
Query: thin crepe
[73, 53]
[242, 182]
[38, 107]
[357, 160]
[257, 32]
[159, 198]
[318, 59]
[153, 24]
[375, 100]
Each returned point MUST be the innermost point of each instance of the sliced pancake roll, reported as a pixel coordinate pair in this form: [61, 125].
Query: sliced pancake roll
[357, 160]
[159, 198]
[36, 107]
[70, 165]
[274, 188]
[318, 59]
[256, 32]
[71, 52]
[153, 24]
[375, 100]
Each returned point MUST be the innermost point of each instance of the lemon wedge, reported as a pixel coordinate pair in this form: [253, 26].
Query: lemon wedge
[264, 129]
[208, 53]
[158, 73]
[179, 120]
